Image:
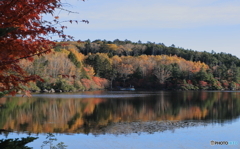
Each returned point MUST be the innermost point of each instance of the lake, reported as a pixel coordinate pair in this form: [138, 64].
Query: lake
[125, 119]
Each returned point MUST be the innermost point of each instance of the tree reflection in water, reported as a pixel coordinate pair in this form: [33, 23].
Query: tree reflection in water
[82, 115]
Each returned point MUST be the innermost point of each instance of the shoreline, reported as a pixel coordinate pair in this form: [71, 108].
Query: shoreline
[146, 127]
[125, 128]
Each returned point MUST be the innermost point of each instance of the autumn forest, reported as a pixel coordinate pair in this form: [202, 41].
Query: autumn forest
[101, 64]
[31, 60]
[37, 56]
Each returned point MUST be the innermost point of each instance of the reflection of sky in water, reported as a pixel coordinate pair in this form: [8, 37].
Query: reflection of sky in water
[183, 138]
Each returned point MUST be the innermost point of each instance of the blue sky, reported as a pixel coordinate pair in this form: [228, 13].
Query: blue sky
[201, 25]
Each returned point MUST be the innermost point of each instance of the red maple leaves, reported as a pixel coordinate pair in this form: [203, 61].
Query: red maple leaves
[23, 34]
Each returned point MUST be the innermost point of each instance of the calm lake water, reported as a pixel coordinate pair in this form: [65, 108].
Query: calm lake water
[82, 120]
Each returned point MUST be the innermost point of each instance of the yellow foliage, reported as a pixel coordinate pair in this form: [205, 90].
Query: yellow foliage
[182, 63]
[113, 47]
[89, 70]
[116, 60]
[80, 56]
[66, 52]
[103, 55]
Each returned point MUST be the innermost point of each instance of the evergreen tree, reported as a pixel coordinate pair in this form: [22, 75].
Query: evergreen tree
[202, 75]
[74, 60]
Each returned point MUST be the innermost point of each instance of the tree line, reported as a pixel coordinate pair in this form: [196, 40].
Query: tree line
[128, 48]
[73, 66]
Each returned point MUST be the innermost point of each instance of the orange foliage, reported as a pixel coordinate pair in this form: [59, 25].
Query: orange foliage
[203, 83]
[90, 104]
[23, 38]
[24, 34]
[125, 69]
[86, 83]
[101, 82]
[148, 62]
[190, 113]
[89, 70]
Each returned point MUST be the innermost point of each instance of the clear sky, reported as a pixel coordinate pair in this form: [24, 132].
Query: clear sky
[201, 25]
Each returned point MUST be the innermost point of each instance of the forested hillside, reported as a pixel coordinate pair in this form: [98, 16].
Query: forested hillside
[74, 66]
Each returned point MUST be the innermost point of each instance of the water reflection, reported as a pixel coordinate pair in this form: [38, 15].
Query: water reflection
[42, 114]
